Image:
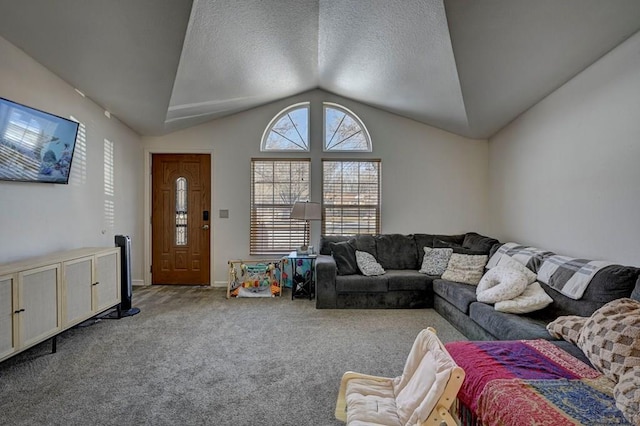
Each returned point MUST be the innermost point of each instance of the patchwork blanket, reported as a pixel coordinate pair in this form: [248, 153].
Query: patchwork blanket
[531, 382]
[568, 275]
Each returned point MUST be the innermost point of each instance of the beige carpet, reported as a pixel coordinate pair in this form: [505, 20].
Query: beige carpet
[192, 357]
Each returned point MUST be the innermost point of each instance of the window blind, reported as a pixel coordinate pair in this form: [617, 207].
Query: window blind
[350, 197]
[276, 184]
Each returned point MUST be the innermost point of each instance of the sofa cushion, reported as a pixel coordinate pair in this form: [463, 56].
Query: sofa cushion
[435, 260]
[458, 294]
[345, 256]
[610, 283]
[508, 326]
[361, 284]
[365, 243]
[422, 240]
[406, 279]
[532, 299]
[627, 395]
[465, 268]
[326, 240]
[457, 248]
[611, 338]
[368, 264]
[567, 327]
[477, 242]
[454, 239]
[500, 283]
[396, 251]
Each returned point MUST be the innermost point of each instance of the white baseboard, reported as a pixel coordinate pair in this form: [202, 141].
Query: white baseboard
[217, 284]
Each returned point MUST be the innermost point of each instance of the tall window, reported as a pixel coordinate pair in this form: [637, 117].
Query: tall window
[350, 197]
[343, 130]
[276, 184]
[289, 130]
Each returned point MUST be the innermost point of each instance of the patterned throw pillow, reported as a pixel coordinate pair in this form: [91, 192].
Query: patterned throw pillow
[611, 338]
[368, 264]
[567, 327]
[500, 283]
[465, 268]
[627, 395]
[435, 260]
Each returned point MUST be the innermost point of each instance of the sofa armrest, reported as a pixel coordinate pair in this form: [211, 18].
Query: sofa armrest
[326, 271]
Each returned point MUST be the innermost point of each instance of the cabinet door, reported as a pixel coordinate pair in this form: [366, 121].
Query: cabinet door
[107, 289]
[7, 303]
[38, 296]
[78, 280]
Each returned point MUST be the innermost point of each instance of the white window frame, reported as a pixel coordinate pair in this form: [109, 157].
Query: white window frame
[354, 117]
[276, 118]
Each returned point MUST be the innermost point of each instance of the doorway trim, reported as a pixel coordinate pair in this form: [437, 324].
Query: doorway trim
[148, 153]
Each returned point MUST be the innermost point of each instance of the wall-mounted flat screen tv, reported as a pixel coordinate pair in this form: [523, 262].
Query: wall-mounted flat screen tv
[35, 146]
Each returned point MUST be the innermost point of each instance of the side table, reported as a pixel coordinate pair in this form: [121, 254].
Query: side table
[303, 285]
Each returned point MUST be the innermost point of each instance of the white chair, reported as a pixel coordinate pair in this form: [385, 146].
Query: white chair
[422, 395]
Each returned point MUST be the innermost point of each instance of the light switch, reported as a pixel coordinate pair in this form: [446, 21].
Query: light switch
[224, 214]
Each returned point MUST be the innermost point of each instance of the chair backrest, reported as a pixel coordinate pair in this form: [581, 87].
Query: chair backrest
[429, 383]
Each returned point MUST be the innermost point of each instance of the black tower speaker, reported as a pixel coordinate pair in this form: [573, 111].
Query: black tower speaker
[126, 288]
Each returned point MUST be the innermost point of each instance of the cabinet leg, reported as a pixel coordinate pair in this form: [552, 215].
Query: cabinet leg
[54, 344]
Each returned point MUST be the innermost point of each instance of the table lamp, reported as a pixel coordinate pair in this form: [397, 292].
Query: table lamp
[305, 210]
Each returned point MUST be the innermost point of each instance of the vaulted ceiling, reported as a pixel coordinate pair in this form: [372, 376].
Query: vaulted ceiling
[466, 66]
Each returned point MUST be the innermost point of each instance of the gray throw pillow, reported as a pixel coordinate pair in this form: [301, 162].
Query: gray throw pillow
[345, 256]
[435, 260]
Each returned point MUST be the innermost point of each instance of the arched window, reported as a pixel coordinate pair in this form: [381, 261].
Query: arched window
[289, 130]
[344, 131]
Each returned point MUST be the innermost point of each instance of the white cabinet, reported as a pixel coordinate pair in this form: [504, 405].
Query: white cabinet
[106, 290]
[41, 297]
[91, 285]
[38, 312]
[7, 329]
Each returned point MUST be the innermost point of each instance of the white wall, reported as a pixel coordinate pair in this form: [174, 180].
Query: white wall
[432, 181]
[39, 218]
[565, 176]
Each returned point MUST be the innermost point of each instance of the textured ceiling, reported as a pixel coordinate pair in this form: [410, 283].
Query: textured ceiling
[469, 67]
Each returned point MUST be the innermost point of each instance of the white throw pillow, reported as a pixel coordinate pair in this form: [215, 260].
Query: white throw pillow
[465, 268]
[368, 264]
[435, 260]
[532, 299]
[500, 283]
[511, 263]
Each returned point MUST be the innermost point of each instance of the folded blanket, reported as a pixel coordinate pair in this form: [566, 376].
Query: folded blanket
[569, 276]
[531, 257]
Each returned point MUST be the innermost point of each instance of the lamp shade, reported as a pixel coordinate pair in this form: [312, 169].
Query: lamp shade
[305, 210]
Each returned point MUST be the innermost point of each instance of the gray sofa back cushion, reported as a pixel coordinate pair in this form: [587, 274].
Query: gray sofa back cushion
[610, 283]
[422, 241]
[475, 241]
[396, 251]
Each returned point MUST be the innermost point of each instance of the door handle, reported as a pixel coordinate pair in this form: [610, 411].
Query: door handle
[205, 227]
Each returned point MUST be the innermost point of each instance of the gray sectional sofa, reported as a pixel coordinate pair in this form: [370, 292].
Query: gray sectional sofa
[480, 321]
[340, 285]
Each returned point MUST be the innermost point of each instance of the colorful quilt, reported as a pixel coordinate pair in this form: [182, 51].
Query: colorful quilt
[531, 382]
